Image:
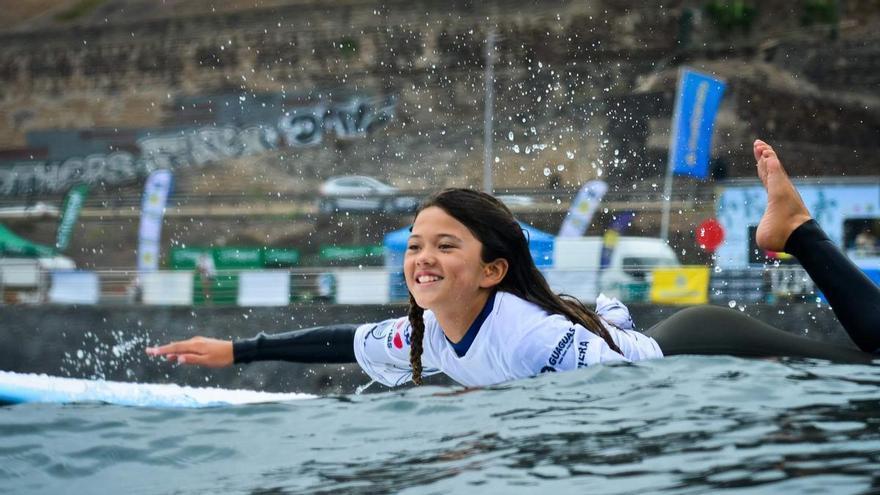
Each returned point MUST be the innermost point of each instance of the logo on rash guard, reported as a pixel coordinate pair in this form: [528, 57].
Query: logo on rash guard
[378, 332]
[582, 353]
[400, 337]
[562, 347]
[393, 337]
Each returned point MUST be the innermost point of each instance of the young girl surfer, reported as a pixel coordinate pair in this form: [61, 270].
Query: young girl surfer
[481, 312]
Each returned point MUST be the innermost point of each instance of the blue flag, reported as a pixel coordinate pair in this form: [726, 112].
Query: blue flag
[696, 103]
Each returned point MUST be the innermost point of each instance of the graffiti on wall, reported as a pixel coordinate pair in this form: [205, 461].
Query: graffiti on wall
[206, 145]
[299, 127]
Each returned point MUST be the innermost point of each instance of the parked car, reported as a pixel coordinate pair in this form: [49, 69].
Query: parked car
[515, 200]
[37, 210]
[362, 193]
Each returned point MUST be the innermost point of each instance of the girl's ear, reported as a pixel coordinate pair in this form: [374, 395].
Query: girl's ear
[494, 272]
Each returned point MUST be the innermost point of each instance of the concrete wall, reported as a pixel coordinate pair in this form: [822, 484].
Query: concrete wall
[556, 68]
[109, 342]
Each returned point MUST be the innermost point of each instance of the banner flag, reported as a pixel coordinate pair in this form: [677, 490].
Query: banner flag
[73, 203]
[156, 191]
[683, 285]
[696, 104]
[582, 209]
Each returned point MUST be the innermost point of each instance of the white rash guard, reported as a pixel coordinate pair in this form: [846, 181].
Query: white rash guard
[516, 339]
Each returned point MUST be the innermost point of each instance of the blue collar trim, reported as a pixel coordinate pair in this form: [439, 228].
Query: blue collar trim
[464, 344]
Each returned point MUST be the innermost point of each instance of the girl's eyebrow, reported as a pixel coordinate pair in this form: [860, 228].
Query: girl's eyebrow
[450, 236]
[440, 235]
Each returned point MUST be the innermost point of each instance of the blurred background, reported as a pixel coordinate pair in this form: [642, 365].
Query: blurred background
[299, 136]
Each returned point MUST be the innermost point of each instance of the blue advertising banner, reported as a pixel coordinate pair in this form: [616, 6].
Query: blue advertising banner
[696, 103]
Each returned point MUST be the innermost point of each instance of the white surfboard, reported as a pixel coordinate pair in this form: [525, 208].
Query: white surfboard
[19, 388]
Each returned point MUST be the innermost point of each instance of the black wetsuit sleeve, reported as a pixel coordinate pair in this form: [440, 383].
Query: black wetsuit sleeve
[854, 298]
[327, 344]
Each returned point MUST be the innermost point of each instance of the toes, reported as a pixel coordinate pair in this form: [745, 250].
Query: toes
[760, 147]
[769, 156]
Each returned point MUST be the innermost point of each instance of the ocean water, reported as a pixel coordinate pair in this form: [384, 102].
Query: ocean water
[685, 424]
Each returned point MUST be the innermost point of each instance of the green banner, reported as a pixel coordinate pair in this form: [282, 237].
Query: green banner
[231, 258]
[73, 203]
[187, 258]
[13, 245]
[348, 253]
[280, 257]
[235, 258]
[217, 290]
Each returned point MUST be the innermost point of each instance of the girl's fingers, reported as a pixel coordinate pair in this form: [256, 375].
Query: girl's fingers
[197, 350]
[174, 348]
[196, 359]
[183, 358]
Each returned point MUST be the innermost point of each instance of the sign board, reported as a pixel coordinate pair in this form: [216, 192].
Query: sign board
[741, 206]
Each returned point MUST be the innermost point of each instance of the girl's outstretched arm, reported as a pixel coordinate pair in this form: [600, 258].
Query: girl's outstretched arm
[327, 344]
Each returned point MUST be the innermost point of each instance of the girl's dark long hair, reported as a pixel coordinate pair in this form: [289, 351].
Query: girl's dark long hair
[492, 223]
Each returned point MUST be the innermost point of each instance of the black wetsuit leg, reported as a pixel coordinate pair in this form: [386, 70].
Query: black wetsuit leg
[715, 330]
[854, 298]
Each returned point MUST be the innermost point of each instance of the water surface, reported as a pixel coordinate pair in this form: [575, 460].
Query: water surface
[678, 425]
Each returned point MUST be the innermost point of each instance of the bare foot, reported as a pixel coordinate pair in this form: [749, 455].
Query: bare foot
[785, 208]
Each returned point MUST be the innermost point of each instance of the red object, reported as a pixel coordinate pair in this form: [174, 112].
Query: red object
[398, 342]
[710, 235]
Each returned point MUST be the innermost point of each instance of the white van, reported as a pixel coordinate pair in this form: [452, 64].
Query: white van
[576, 262]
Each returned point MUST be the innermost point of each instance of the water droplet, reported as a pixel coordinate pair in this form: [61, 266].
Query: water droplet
[731, 304]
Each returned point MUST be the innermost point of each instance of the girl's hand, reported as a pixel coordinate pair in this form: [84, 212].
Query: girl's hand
[201, 351]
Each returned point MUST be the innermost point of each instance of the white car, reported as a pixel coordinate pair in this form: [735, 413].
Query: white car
[37, 210]
[362, 193]
[515, 200]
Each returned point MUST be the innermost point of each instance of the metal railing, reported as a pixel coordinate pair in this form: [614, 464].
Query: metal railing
[733, 287]
[519, 200]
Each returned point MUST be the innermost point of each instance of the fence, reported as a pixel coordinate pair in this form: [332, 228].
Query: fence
[374, 285]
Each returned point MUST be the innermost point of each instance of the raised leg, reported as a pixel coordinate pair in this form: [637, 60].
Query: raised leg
[787, 226]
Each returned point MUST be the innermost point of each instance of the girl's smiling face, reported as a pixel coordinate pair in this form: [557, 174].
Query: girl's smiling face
[443, 265]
